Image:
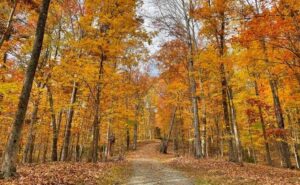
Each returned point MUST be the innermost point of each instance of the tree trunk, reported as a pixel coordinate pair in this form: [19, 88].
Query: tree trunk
[197, 141]
[77, 148]
[164, 146]
[31, 134]
[252, 148]
[108, 135]
[203, 116]
[226, 114]
[263, 126]
[59, 119]
[127, 138]
[9, 160]
[65, 149]
[218, 134]
[220, 37]
[284, 147]
[192, 82]
[54, 126]
[135, 135]
[95, 140]
[235, 128]
[44, 159]
[96, 130]
[294, 131]
[175, 139]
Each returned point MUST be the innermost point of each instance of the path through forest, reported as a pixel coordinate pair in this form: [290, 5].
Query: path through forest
[149, 168]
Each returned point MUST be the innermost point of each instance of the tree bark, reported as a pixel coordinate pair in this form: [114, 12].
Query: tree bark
[127, 138]
[235, 128]
[44, 159]
[27, 158]
[219, 136]
[164, 146]
[77, 147]
[284, 147]
[252, 147]
[108, 135]
[294, 131]
[135, 130]
[192, 82]
[96, 130]
[54, 126]
[203, 116]
[226, 114]
[65, 150]
[9, 160]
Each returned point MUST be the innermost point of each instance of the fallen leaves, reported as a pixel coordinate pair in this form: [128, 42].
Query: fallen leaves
[70, 174]
[224, 172]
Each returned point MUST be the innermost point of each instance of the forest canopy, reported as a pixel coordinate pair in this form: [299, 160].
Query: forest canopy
[77, 83]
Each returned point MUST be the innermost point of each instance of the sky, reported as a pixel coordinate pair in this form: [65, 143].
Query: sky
[147, 11]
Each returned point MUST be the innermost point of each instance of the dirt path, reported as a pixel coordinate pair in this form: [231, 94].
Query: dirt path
[149, 168]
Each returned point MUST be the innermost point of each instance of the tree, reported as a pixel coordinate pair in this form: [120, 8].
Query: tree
[9, 163]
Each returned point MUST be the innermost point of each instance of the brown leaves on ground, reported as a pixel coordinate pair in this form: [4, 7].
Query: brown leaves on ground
[71, 173]
[212, 171]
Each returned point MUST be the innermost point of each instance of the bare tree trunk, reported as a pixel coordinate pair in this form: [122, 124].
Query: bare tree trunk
[235, 128]
[59, 119]
[77, 148]
[96, 129]
[226, 114]
[284, 147]
[297, 136]
[108, 135]
[218, 134]
[96, 136]
[263, 126]
[127, 138]
[9, 160]
[164, 146]
[176, 138]
[192, 82]
[110, 141]
[252, 148]
[296, 155]
[44, 159]
[135, 134]
[65, 129]
[182, 136]
[203, 116]
[65, 149]
[294, 131]
[54, 126]
[31, 134]
[194, 99]
[39, 154]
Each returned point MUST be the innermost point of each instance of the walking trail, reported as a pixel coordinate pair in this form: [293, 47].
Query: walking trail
[149, 168]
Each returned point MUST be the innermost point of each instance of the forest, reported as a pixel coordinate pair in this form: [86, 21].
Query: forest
[150, 91]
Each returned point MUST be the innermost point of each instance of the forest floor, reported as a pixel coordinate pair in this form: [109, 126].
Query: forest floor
[152, 168]
[62, 173]
[147, 166]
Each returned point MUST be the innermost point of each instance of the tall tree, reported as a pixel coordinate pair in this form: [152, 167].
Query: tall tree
[10, 155]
